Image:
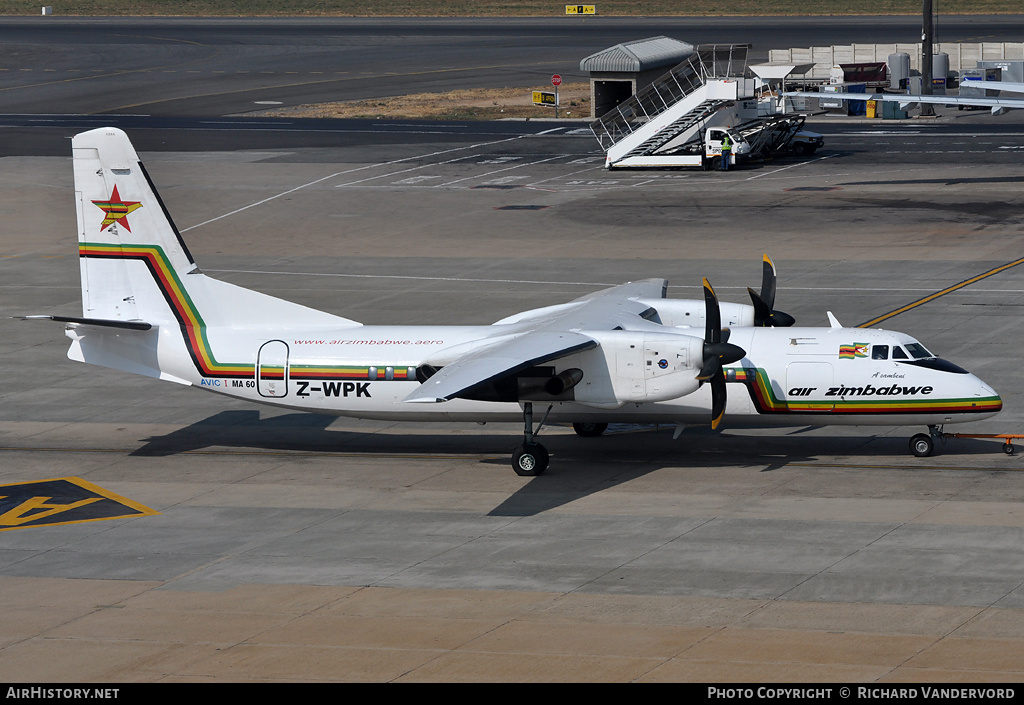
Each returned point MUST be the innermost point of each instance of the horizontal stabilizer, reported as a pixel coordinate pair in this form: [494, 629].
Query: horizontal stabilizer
[101, 322]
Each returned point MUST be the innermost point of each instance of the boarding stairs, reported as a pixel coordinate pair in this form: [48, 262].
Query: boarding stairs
[772, 135]
[673, 109]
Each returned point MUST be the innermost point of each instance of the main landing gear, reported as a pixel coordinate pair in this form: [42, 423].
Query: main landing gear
[531, 458]
[589, 429]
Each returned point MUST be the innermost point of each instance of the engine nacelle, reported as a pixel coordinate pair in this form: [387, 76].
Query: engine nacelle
[637, 367]
[691, 313]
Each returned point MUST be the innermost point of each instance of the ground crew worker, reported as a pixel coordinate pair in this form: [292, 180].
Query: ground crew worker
[726, 151]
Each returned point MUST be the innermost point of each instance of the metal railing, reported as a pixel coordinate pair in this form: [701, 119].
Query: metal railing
[724, 60]
[709, 61]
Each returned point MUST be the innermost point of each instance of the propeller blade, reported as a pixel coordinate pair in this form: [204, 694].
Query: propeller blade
[711, 367]
[768, 278]
[765, 314]
[761, 311]
[718, 400]
[712, 315]
[717, 352]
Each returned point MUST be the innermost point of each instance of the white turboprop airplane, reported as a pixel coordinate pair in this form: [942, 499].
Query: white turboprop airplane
[625, 354]
[997, 104]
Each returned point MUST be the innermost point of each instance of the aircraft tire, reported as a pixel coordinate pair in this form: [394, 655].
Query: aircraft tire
[530, 460]
[1008, 448]
[589, 430]
[922, 445]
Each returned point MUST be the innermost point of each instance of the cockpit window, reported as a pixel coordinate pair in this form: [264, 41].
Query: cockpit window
[918, 351]
[879, 352]
[923, 358]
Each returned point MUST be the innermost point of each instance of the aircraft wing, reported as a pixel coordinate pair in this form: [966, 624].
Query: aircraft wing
[643, 289]
[495, 361]
[623, 293]
[1008, 86]
[539, 336]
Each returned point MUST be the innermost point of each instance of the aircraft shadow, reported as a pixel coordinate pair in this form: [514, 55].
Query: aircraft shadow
[308, 432]
[580, 467]
[244, 429]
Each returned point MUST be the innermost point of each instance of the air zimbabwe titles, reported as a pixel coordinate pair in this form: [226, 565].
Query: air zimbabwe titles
[872, 391]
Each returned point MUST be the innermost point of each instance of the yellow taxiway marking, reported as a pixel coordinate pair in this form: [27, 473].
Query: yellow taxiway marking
[932, 297]
[60, 501]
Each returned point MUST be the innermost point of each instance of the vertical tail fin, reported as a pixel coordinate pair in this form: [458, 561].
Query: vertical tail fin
[120, 218]
[138, 276]
[135, 265]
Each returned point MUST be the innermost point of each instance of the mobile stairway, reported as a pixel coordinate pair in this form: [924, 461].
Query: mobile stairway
[675, 109]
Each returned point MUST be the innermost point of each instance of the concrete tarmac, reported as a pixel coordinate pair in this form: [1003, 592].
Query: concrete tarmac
[303, 548]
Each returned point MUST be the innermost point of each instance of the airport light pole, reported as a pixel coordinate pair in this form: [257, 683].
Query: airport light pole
[926, 58]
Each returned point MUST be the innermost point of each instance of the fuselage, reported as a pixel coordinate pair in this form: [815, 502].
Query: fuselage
[790, 376]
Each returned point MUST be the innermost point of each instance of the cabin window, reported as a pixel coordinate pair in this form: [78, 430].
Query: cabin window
[879, 352]
[898, 354]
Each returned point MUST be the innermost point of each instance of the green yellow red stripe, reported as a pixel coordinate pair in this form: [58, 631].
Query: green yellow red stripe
[369, 372]
[194, 328]
[187, 314]
[766, 401]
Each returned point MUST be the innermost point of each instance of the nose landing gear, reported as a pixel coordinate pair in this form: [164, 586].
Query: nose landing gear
[922, 444]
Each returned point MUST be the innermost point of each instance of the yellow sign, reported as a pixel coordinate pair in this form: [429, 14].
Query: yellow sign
[544, 98]
[581, 9]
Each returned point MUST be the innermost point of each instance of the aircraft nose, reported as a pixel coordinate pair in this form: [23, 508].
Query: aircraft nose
[990, 395]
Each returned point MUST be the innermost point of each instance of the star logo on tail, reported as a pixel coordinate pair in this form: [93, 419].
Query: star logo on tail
[116, 210]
